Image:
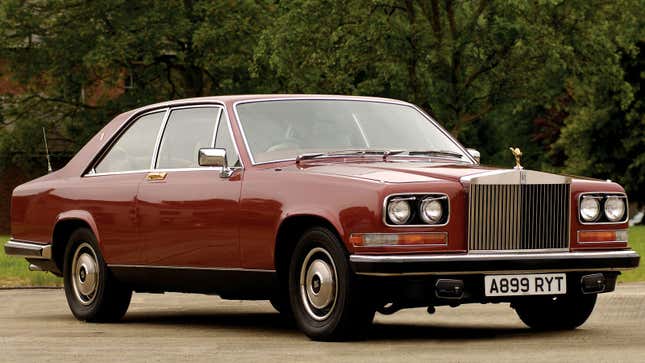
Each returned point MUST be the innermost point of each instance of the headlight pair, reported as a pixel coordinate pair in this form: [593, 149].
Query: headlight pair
[424, 209]
[602, 207]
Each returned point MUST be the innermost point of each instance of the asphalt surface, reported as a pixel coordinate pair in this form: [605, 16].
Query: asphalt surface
[36, 325]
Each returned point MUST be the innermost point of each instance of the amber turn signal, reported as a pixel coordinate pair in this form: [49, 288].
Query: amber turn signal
[398, 239]
[619, 235]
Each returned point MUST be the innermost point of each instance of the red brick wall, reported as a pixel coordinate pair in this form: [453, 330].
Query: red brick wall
[10, 178]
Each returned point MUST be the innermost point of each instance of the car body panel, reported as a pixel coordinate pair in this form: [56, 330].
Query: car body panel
[198, 219]
[199, 212]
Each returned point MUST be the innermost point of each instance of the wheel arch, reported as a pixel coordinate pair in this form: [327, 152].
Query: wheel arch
[66, 224]
[289, 231]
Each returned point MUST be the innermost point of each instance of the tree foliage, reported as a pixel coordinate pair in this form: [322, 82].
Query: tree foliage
[560, 79]
[81, 62]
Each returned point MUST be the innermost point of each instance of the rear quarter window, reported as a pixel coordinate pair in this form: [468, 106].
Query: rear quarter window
[133, 150]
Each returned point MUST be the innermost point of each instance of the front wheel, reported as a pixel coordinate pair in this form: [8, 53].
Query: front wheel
[564, 312]
[93, 294]
[325, 297]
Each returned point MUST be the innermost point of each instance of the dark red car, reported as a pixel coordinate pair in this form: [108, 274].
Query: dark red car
[331, 207]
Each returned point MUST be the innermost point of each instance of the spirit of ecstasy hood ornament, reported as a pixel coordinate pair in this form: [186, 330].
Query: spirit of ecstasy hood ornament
[518, 155]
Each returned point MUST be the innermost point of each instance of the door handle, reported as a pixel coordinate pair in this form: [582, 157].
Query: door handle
[156, 176]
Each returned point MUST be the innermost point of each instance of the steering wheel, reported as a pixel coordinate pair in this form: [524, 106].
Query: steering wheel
[289, 144]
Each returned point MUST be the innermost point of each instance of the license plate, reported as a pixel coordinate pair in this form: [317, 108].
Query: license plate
[518, 285]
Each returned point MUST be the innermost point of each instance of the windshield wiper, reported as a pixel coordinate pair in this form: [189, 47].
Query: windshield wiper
[435, 152]
[308, 156]
[385, 153]
[422, 152]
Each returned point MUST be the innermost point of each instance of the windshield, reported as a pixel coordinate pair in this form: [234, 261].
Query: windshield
[284, 129]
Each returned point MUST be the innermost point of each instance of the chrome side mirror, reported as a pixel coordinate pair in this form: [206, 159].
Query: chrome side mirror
[475, 154]
[215, 158]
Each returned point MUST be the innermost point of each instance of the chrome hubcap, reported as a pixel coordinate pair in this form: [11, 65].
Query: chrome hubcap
[318, 283]
[85, 273]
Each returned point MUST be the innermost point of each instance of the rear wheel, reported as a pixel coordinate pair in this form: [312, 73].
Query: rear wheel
[325, 297]
[93, 294]
[565, 312]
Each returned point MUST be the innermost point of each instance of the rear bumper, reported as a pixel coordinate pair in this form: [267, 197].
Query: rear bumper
[28, 250]
[480, 263]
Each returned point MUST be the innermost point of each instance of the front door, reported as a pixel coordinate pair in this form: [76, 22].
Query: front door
[189, 215]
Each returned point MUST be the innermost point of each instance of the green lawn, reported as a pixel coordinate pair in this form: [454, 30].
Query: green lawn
[14, 272]
[637, 242]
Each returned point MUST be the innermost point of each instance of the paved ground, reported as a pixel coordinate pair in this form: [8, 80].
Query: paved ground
[35, 325]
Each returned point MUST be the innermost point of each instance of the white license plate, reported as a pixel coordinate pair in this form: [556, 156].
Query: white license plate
[517, 285]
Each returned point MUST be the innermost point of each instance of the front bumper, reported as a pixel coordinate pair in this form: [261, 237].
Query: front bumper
[489, 263]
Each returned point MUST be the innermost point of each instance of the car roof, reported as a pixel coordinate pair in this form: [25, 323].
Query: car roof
[228, 99]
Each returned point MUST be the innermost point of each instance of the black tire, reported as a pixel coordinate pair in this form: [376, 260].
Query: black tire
[93, 294]
[327, 313]
[560, 313]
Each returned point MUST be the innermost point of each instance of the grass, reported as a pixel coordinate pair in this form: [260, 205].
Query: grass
[637, 242]
[14, 272]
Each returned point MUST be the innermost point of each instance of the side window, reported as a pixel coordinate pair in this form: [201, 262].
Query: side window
[134, 149]
[187, 131]
[224, 141]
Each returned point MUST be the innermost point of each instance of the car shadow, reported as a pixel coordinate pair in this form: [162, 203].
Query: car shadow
[440, 332]
[380, 331]
[246, 320]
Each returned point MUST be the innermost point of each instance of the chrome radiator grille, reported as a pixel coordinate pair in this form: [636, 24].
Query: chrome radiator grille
[518, 216]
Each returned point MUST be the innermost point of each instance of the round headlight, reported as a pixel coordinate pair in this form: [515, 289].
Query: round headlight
[589, 209]
[431, 211]
[614, 208]
[398, 211]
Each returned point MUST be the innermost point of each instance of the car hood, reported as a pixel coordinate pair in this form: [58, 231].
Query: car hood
[396, 172]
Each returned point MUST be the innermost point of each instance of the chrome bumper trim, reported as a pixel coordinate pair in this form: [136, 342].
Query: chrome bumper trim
[489, 256]
[28, 250]
[478, 263]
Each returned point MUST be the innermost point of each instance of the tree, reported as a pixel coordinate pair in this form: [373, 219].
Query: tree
[604, 136]
[485, 69]
[560, 79]
[81, 62]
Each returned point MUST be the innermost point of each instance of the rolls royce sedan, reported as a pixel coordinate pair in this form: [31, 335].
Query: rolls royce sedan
[331, 207]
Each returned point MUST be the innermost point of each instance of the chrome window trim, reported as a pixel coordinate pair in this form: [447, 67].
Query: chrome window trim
[91, 175]
[602, 211]
[202, 168]
[232, 136]
[205, 168]
[91, 171]
[166, 108]
[219, 119]
[322, 98]
[599, 242]
[162, 131]
[387, 197]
